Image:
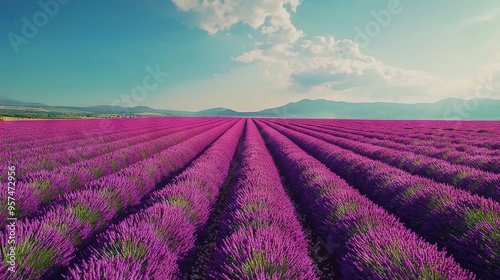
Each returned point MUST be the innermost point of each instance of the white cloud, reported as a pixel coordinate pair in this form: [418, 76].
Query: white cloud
[270, 16]
[185, 5]
[325, 62]
[318, 64]
[483, 18]
[255, 55]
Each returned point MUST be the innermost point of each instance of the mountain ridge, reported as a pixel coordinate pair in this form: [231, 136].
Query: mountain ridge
[449, 108]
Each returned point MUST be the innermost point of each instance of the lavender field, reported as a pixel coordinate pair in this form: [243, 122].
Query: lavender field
[236, 198]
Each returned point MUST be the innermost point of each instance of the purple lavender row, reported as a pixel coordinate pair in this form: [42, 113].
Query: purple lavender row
[25, 135]
[365, 240]
[464, 177]
[21, 135]
[62, 160]
[46, 186]
[49, 241]
[408, 132]
[472, 143]
[168, 225]
[74, 141]
[18, 132]
[79, 148]
[484, 162]
[476, 159]
[85, 155]
[438, 130]
[260, 236]
[401, 136]
[422, 137]
[453, 218]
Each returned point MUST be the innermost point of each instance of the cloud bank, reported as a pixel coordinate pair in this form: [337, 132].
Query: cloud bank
[317, 64]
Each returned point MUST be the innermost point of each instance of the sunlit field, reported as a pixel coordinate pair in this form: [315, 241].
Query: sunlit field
[250, 198]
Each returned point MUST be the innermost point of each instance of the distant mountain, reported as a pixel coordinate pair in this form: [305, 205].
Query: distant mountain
[212, 112]
[106, 109]
[233, 113]
[451, 108]
[7, 101]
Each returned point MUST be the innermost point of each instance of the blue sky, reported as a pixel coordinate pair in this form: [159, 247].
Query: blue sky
[247, 55]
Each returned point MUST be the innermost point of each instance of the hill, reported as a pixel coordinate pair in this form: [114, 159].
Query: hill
[451, 108]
